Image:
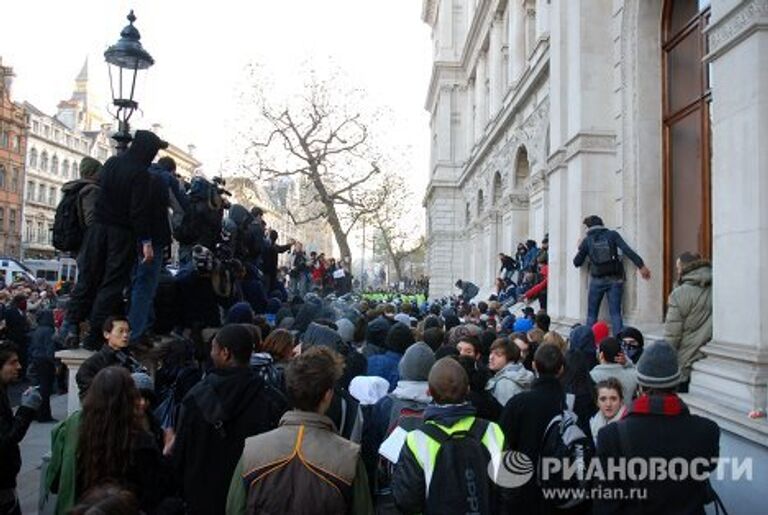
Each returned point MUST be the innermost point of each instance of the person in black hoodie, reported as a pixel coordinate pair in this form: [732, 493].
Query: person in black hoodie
[525, 418]
[217, 415]
[269, 261]
[122, 223]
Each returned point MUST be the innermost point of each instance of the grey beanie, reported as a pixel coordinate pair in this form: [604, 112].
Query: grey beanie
[658, 366]
[416, 362]
[346, 330]
[143, 382]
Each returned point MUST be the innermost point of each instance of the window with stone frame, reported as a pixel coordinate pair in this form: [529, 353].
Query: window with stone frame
[30, 190]
[2, 219]
[40, 236]
[5, 139]
[44, 161]
[65, 169]
[12, 221]
[2, 177]
[33, 158]
[15, 180]
[52, 196]
[55, 165]
[41, 193]
[28, 231]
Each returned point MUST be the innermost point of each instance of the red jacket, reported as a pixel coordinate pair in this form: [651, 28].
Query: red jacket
[541, 287]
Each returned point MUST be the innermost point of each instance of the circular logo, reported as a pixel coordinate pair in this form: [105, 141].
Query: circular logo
[515, 470]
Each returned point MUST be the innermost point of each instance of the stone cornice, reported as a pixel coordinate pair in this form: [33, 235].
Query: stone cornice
[735, 26]
[442, 71]
[582, 143]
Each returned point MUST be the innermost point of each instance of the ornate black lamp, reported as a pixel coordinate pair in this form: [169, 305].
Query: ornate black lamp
[124, 59]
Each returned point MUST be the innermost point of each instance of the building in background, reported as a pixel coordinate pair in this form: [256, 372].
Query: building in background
[649, 113]
[13, 142]
[56, 145]
[316, 236]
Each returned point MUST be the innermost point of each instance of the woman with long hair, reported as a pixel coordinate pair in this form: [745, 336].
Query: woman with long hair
[105, 443]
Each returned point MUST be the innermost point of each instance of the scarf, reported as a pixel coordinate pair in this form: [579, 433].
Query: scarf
[668, 404]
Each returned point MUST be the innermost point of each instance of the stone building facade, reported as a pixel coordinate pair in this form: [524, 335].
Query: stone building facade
[13, 143]
[646, 112]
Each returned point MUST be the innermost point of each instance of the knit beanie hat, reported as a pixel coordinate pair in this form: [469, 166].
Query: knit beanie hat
[240, 313]
[658, 366]
[376, 332]
[143, 382]
[317, 334]
[89, 168]
[346, 329]
[523, 325]
[601, 332]
[399, 338]
[416, 363]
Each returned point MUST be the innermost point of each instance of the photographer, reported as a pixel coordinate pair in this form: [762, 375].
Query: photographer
[114, 352]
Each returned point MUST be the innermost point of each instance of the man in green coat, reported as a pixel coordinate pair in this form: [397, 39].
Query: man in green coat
[689, 312]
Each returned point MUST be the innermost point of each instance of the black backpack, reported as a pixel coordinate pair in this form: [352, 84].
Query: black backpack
[68, 229]
[565, 442]
[603, 255]
[460, 483]
[201, 223]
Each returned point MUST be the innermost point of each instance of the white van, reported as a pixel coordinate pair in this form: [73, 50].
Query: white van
[53, 269]
[11, 269]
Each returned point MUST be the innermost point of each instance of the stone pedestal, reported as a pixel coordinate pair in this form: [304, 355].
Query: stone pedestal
[73, 359]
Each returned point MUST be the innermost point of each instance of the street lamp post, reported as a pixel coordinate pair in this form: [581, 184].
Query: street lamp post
[126, 57]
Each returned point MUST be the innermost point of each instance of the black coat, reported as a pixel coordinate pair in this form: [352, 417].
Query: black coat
[105, 357]
[524, 420]
[16, 326]
[682, 436]
[217, 415]
[160, 228]
[124, 199]
[12, 431]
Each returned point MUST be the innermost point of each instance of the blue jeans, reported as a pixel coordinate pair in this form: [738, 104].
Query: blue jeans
[146, 278]
[598, 287]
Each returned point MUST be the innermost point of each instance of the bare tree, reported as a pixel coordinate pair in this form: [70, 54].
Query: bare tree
[323, 145]
[395, 237]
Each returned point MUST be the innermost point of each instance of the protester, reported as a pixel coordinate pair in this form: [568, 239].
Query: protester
[106, 443]
[688, 325]
[632, 343]
[114, 351]
[42, 350]
[399, 338]
[468, 290]
[601, 246]
[609, 368]
[610, 405]
[217, 415]
[303, 466]
[12, 427]
[658, 426]
[122, 218]
[431, 475]
[526, 417]
[270, 363]
[510, 377]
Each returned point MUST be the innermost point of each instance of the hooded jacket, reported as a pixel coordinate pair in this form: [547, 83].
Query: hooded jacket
[689, 315]
[160, 223]
[124, 200]
[216, 417]
[509, 381]
[88, 189]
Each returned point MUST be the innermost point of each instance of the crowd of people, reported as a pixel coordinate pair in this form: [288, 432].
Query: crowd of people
[308, 399]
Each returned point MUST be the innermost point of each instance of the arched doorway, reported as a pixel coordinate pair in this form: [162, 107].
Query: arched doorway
[686, 97]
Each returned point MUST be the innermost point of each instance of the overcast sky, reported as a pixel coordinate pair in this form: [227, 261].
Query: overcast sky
[201, 48]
